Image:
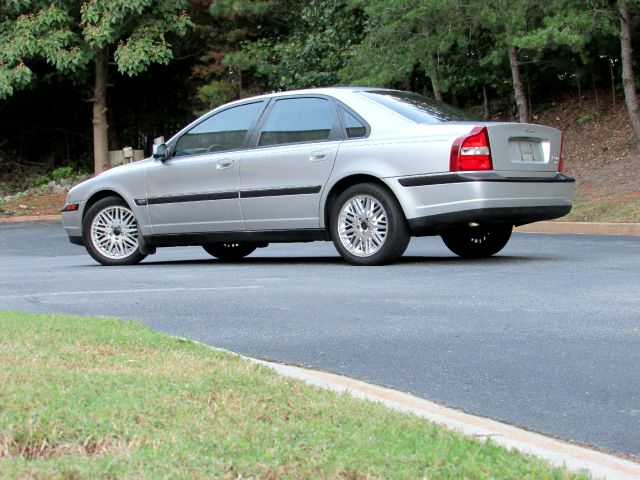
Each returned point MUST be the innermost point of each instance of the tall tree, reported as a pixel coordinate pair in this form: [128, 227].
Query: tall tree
[320, 38]
[405, 40]
[570, 37]
[630, 93]
[80, 38]
[238, 36]
[506, 21]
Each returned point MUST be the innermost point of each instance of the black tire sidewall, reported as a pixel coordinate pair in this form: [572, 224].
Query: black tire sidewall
[459, 242]
[397, 230]
[101, 204]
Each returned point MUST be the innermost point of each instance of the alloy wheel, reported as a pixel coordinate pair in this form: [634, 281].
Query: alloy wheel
[363, 225]
[114, 232]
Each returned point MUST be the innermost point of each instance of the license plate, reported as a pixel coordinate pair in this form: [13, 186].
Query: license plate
[527, 152]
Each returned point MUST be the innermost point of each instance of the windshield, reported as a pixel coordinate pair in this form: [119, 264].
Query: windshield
[417, 107]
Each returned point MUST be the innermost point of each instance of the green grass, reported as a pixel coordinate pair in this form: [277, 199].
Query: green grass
[99, 397]
[611, 208]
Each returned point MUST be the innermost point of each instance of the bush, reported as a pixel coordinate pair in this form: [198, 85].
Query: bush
[587, 115]
[41, 181]
[58, 175]
[62, 173]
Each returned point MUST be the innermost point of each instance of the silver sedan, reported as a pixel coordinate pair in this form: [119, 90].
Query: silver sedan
[365, 168]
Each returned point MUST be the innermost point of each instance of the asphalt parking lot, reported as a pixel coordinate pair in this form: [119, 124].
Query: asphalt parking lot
[546, 335]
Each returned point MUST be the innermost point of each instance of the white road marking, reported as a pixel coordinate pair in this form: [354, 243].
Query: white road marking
[143, 290]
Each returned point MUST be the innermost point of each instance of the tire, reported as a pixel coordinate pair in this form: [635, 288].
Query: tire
[110, 233]
[478, 242]
[230, 251]
[368, 226]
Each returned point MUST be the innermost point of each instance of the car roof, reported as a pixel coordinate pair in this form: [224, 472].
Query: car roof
[330, 91]
[313, 91]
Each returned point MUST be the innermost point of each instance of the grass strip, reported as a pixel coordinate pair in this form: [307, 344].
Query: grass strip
[99, 397]
[589, 207]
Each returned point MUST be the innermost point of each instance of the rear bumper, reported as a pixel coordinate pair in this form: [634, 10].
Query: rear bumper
[508, 215]
[437, 202]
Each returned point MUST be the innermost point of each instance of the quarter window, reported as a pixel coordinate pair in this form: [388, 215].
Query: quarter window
[352, 125]
[220, 132]
[418, 108]
[297, 120]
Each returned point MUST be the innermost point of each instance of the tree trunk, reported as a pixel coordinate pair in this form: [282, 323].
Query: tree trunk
[613, 83]
[433, 66]
[413, 78]
[579, 89]
[521, 99]
[630, 94]
[435, 78]
[100, 125]
[486, 115]
[454, 98]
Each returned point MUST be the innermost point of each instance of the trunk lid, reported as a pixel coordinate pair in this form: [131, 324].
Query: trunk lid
[524, 149]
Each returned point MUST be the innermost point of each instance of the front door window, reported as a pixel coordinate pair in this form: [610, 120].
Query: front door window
[221, 132]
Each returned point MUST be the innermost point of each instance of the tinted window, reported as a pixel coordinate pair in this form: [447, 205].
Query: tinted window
[223, 131]
[418, 108]
[352, 125]
[296, 120]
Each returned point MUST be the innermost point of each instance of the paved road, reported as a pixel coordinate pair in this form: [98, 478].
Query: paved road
[546, 335]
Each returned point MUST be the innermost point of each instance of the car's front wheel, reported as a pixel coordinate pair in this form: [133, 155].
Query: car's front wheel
[110, 233]
[230, 251]
[368, 226]
[478, 242]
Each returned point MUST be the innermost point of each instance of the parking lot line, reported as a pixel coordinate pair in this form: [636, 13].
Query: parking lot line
[143, 290]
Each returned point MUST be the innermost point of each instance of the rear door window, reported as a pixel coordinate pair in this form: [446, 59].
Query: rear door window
[298, 120]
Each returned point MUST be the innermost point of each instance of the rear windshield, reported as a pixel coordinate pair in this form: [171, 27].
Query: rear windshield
[417, 107]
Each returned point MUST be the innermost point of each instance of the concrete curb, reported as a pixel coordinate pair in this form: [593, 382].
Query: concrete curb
[29, 218]
[582, 228]
[556, 452]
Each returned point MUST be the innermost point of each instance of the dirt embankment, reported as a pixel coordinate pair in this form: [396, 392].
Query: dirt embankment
[599, 151]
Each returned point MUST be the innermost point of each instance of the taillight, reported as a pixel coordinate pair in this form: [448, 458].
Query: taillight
[561, 158]
[471, 152]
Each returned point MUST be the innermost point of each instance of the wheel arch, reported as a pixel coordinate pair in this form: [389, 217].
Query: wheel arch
[99, 195]
[346, 182]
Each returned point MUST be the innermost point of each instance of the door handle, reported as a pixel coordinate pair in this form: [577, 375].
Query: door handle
[224, 164]
[317, 156]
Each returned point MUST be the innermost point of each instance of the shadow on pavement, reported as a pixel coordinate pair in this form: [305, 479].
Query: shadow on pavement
[404, 261]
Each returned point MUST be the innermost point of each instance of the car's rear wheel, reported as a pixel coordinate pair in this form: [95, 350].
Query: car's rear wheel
[368, 226]
[110, 233]
[478, 242]
[230, 251]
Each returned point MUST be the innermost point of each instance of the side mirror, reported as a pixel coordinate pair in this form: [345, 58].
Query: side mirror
[160, 152]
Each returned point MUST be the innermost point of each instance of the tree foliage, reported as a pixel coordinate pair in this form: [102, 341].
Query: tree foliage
[70, 35]
[233, 33]
[66, 35]
[509, 54]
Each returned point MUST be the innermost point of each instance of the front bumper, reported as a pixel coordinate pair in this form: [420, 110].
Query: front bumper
[72, 223]
[433, 203]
